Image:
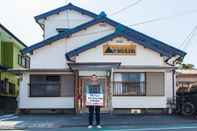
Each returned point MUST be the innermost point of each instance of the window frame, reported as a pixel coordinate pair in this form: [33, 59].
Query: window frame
[25, 59]
[145, 86]
[46, 96]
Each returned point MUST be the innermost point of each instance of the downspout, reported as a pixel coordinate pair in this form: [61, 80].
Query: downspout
[173, 79]
[173, 82]
[68, 58]
[173, 86]
[76, 86]
[173, 75]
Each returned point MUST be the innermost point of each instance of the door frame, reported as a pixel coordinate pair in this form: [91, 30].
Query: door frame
[82, 97]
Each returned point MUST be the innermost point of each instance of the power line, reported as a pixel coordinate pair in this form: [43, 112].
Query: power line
[165, 18]
[188, 39]
[66, 1]
[144, 22]
[126, 7]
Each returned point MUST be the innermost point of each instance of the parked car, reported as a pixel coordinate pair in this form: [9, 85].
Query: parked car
[186, 101]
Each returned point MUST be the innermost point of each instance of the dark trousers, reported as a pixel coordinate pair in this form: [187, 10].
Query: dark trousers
[93, 109]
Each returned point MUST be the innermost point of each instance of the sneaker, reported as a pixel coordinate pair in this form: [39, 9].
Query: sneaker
[90, 126]
[99, 126]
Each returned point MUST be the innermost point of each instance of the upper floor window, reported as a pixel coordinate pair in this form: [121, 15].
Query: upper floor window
[24, 61]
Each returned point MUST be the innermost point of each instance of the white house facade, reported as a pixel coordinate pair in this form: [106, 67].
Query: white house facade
[135, 70]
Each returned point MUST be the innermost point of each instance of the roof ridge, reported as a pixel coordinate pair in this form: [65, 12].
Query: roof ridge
[63, 8]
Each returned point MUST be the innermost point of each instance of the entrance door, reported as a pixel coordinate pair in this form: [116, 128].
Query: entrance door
[84, 81]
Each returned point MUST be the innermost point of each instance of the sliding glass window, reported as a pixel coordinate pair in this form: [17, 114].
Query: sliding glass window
[129, 84]
[45, 86]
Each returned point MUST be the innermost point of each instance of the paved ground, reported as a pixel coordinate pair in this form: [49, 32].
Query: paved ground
[189, 128]
[109, 122]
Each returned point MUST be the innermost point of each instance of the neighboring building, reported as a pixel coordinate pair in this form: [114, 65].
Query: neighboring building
[135, 70]
[185, 79]
[10, 58]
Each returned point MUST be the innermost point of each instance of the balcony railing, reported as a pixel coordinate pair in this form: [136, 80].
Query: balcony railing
[128, 88]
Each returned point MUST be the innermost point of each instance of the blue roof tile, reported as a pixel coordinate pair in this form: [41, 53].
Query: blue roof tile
[63, 8]
[110, 37]
[146, 41]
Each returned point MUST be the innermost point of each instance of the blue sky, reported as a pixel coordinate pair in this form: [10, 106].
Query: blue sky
[18, 17]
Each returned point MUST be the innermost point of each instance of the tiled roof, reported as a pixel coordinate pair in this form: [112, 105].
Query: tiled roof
[163, 50]
[187, 71]
[121, 30]
[63, 8]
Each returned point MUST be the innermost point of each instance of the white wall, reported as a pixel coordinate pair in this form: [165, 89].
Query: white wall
[138, 102]
[50, 56]
[41, 102]
[65, 19]
[88, 35]
[144, 56]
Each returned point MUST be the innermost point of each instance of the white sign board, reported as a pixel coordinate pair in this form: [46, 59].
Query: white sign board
[93, 99]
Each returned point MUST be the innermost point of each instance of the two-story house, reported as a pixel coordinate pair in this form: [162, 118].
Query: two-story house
[10, 58]
[136, 71]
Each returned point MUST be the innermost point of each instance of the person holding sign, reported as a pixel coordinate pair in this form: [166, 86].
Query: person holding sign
[94, 100]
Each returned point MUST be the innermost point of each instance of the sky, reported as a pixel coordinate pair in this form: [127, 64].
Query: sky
[18, 17]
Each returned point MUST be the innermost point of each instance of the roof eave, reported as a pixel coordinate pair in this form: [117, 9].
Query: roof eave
[61, 35]
[107, 38]
[10, 33]
[63, 8]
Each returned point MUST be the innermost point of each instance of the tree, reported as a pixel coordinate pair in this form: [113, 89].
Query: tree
[186, 66]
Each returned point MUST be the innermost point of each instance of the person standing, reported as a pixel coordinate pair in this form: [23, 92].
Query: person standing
[94, 88]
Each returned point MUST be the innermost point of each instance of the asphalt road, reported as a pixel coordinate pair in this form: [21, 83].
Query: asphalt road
[158, 128]
[62, 122]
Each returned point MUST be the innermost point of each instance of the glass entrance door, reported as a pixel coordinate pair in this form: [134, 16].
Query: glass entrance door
[84, 81]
